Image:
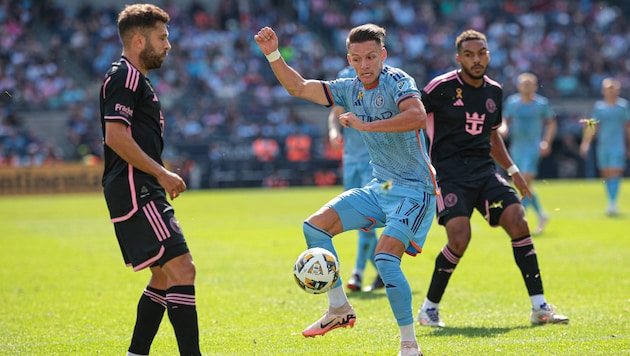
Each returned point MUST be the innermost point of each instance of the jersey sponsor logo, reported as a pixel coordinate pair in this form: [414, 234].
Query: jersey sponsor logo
[125, 110]
[474, 123]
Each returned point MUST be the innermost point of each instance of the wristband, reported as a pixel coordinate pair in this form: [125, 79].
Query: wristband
[513, 169]
[273, 56]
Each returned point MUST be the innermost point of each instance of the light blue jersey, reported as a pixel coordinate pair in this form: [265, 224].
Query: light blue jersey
[354, 149]
[611, 121]
[400, 157]
[527, 121]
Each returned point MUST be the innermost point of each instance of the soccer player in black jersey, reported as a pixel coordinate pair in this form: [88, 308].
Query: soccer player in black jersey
[136, 182]
[464, 113]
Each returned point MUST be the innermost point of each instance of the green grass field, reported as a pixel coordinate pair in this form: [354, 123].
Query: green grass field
[65, 290]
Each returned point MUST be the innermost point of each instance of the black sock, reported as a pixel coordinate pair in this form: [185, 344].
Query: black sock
[525, 256]
[182, 311]
[149, 316]
[445, 264]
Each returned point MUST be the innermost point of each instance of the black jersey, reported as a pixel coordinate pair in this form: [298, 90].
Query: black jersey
[127, 97]
[460, 119]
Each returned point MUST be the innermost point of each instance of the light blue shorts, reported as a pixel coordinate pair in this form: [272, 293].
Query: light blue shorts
[405, 213]
[526, 159]
[610, 157]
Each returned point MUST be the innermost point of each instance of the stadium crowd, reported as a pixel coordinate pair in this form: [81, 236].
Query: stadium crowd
[215, 87]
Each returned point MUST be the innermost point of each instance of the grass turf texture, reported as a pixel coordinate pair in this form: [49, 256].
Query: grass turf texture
[65, 290]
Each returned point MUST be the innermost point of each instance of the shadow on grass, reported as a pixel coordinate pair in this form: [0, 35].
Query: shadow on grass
[474, 331]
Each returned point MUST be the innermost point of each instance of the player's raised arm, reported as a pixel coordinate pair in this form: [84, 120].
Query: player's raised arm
[291, 80]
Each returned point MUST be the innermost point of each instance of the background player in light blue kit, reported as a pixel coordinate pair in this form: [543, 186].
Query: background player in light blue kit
[384, 105]
[610, 121]
[357, 172]
[530, 122]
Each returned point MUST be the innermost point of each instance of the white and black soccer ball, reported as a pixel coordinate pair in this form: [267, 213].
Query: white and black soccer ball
[316, 270]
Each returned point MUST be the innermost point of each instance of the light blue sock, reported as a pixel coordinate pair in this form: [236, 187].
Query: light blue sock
[366, 247]
[316, 237]
[536, 204]
[526, 203]
[396, 286]
[612, 188]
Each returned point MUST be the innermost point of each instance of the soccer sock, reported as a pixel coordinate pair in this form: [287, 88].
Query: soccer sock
[149, 316]
[367, 245]
[337, 297]
[316, 237]
[612, 188]
[182, 311]
[526, 202]
[445, 264]
[525, 256]
[396, 287]
[407, 333]
[536, 204]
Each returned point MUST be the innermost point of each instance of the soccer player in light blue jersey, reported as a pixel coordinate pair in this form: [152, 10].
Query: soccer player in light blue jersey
[357, 172]
[610, 122]
[384, 105]
[530, 122]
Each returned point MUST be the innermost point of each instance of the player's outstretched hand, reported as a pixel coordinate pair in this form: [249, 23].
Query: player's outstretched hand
[267, 40]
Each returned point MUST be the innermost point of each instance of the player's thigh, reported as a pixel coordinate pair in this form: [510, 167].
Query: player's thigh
[456, 199]
[494, 198]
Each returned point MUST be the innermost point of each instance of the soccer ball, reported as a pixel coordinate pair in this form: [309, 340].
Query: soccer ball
[316, 270]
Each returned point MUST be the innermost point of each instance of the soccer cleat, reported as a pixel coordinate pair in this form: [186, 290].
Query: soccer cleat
[377, 284]
[329, 322]
[430, 317]
[409, 348]
[612, 210]
[546, 315]
[542, 221]
[354, 284]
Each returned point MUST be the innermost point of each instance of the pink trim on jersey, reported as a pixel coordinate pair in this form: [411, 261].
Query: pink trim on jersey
[436, 190]
[442, 79]
[150, 261]
[132, 189]
[108, 118]
[182, 299]
[105, 85]
[440, 202]
[156, 221]
[492, 81]
[133, 77]
[430, 130]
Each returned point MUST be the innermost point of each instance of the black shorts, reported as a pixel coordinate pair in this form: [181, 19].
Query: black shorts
[151, 236]
[490, 196]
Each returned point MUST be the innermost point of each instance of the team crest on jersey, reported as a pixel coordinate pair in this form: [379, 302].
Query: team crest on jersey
[379, 100]
[402, 85]
[491, 106]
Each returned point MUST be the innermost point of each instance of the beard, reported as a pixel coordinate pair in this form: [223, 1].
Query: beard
[474, 76]
[150, 58]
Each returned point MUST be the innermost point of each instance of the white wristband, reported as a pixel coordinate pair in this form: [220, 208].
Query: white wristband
[273, 56]
[513, 169]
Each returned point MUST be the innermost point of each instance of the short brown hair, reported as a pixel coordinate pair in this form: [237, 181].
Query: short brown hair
[367, 32]
[139, 17]
[469, 35]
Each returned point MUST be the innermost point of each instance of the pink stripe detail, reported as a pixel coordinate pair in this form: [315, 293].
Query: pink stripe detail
[439, 199]
[450, 256]
[156, 229]
[487, 212]
[160, 221]
[150, 261]
[132, 189]
[118, 118]
[105, 85]
[430, 130]
[525, 242]
[133, 77]
[155, 297]
[491, 81]
[183, 299]
[439, 80]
